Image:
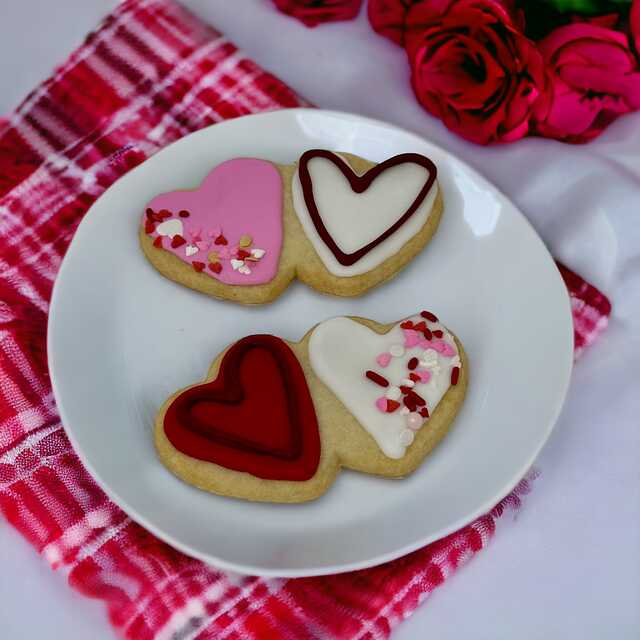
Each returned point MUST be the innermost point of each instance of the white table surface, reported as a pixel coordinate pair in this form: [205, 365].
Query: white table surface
[569, 565]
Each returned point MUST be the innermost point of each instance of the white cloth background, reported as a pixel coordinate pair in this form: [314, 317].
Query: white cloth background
[570, 566]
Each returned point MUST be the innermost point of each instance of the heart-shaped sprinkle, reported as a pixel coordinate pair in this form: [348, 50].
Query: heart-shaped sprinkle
[258, 253]
[170, 228]
[407, 324]
[236, 264]
[190, 250]
[216, 267]
[198, 266]
[245, 241]
[184, 213]
[383, 359]
[177, 241]
[158, 242]
[437, 333]
[244, 270]
[411, 338]
[242, 254]
[149, 227]
[221, 240]
[163, 214]
[424, 412]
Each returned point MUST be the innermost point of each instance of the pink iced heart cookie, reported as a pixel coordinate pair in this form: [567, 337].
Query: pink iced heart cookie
[239, 204]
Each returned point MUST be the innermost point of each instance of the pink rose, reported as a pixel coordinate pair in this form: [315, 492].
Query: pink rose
[312, 12]
[593, 78]
[473, 68]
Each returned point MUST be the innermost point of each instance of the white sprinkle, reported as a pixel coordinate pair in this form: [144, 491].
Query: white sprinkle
[190, 250]
[257, 253]
[404, 411]
[407, 383]
[236, 264]
[406, 437]
[393, 393]
[396, 350]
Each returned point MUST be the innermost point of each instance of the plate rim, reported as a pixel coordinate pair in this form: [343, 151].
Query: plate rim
[247, 569]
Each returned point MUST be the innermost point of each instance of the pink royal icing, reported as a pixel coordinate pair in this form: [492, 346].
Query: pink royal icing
[238, 198]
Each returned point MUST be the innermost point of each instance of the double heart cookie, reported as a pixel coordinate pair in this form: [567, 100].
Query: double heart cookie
[337, 222]
[275, 420]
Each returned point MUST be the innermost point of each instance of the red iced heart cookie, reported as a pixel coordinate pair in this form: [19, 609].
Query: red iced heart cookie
[256, 416]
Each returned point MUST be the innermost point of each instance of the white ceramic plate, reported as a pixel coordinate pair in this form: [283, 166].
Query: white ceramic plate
[122, 338]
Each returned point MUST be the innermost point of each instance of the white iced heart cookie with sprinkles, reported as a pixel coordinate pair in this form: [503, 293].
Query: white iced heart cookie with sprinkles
[392, 382]
[276, 420]
[339, 223]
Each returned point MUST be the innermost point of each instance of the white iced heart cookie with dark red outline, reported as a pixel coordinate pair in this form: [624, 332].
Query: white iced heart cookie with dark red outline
[355, 221]
[339, 223]
[276, 420]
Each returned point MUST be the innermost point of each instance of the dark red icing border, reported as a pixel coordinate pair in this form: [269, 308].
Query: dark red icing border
[256, 416]
[359, 184]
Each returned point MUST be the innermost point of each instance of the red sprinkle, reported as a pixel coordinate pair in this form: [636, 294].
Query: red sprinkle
[158, 242]
[149, 227]
[377, 378]
[242, 254]
[424, 412]
[177, 241]
[409, 403]
[163, 214]
[418, 399]
[412, 364]
[150, 214]
[392, 405]
[407, 324]
[404, 389]
[414, 376]
[221, 240]
[216, 267]
[198, 266]
[438, 334]
[427, 315]
[184, 213]
[455, 374]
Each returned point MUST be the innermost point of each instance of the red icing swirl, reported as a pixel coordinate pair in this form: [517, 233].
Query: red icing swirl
[257, 416]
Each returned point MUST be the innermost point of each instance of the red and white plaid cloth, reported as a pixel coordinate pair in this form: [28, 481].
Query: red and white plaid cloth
[148, 75]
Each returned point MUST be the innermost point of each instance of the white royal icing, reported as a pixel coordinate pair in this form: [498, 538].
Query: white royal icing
[356, 219]
[342, 350]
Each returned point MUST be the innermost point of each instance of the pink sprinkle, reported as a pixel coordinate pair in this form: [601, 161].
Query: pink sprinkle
[444, 348]
[381, 403]
[223, 252]
[383, 359]
[440, 346]
[425, 375]
[411, 337]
